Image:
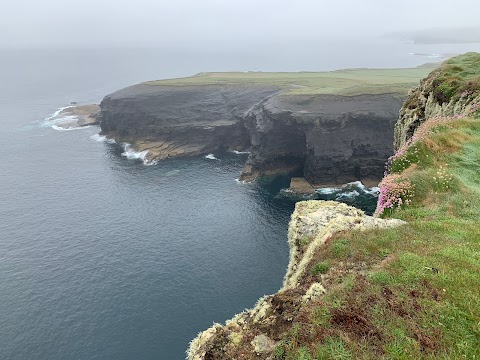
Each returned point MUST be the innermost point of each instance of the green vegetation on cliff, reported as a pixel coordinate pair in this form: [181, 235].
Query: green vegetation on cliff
[415, 293]
[341, 82]
[458, 77]
[451, 90]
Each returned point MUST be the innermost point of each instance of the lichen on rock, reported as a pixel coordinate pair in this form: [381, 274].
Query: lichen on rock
[320, 220]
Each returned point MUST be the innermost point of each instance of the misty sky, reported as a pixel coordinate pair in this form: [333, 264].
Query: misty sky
[92, 23]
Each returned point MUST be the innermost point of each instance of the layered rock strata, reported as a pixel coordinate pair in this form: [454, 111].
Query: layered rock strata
[174, 121]
[330, 139]
[325, 138]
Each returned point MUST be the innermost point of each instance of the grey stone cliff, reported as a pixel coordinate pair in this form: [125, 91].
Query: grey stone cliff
[329, 139]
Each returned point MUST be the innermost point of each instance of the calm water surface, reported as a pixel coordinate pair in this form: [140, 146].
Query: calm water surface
[105, 258]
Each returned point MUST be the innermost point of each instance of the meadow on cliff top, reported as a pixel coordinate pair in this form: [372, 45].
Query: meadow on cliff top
[458, 78]
[340, 82]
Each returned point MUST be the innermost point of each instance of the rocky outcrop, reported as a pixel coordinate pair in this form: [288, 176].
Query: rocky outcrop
[421, 105]
[76, 116]
[330, 139]
[254, 333]
[325, 138]
[446, 92]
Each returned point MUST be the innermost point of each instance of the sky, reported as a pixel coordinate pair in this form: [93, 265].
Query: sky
[190, 23]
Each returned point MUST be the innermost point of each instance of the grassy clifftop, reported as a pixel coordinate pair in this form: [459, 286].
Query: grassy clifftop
[458, 77]
[341, 82]
[416, 294]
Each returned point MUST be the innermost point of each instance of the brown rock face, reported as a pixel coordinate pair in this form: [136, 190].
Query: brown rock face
[325, 138]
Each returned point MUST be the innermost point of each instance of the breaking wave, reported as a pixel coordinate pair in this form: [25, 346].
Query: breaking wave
[55, 121]
[59, 128]
[102, 138]
[354, 194]
[131, 154]
[210, 157]
[56, 113]
[327, 191]
[238, 181]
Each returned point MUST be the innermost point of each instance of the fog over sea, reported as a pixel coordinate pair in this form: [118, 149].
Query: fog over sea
[102, 257]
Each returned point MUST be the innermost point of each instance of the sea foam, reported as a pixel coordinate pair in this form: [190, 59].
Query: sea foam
[102, 138]
[348, 191]
[131, 154]
[53, 121]
[347, 195]
[238, 181]
[210, 157]
[59, 128]
[327, 191]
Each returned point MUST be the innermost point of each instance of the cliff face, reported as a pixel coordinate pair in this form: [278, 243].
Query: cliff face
[329, 139]
[332, 139]
[172, 121]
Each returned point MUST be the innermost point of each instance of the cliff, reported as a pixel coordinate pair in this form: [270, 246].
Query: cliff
[450, 90]
[331, 127]
[330, 139]
[360, 287]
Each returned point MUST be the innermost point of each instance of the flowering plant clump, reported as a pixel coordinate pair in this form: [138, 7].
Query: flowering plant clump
[400, 159]
[400, 163]
[443, 179]
[475, 109]
[395, 192]
[466, 94]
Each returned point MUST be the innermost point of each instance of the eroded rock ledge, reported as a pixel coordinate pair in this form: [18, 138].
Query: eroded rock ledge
[328, 139]
[76, 116]
[254, 333]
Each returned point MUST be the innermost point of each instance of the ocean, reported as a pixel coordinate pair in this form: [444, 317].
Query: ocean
[102, 257]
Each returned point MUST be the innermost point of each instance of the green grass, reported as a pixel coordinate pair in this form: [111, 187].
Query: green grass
[320, 268]
[418, 295]
[457, 76]
[341, 82]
